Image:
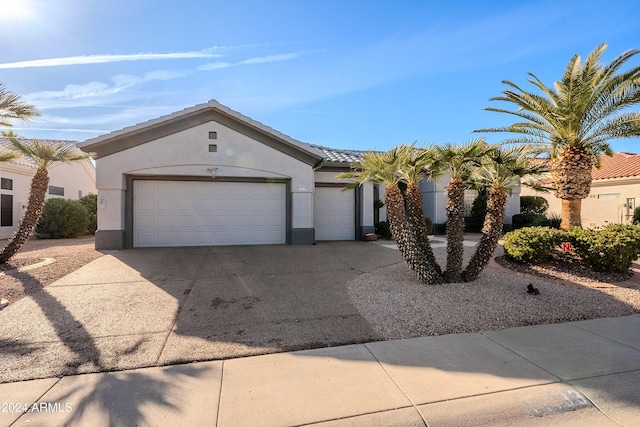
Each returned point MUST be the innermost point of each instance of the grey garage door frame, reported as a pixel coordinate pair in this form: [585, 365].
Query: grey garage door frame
[129, 199]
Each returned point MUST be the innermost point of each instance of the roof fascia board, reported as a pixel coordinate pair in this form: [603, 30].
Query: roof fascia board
[334, 167]
[606, 182]
[17, 168]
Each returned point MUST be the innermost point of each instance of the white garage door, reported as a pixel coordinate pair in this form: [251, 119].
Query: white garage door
[334, 213]
[188, 213]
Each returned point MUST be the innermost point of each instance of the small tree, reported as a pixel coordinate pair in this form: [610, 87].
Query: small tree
[62, 218]
[90, 203]
[43, 155]
[533, 204]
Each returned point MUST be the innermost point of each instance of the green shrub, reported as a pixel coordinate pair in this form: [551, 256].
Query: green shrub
[383, 230]
[554, 220]
[62, 218]
[90, 203]
[636, 215]
[479, 211]
[531, 244]
[533, 204]
[429, 224]
[610, 249]
[528, 220]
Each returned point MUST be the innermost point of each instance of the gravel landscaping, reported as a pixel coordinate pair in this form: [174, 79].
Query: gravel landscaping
[68, 255]
[398, 306]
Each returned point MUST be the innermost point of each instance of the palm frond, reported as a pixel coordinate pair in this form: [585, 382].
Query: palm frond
[12, 108]
[45, 154]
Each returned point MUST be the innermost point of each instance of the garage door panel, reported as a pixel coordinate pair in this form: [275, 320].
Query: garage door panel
[334, 213]
[191, 213]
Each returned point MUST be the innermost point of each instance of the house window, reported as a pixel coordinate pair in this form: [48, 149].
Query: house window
[6, 184]
[56, 191]
[609, 196]
[6, 210]
[79, 194]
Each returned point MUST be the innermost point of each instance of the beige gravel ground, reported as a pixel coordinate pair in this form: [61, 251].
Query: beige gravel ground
[68, 256]
[395, 303]
[398, 306]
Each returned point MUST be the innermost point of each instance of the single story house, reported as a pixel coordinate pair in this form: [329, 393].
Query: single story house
[66, 180]
[208, 175]
[614, 190]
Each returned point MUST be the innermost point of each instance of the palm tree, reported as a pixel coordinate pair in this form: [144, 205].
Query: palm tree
[457, 161]
[393, 168]
[416, 167]
[575, 119]
[43, 155]
[12, 108]
[501, 171]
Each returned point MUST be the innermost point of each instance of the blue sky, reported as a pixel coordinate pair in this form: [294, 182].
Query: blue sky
[345, 74]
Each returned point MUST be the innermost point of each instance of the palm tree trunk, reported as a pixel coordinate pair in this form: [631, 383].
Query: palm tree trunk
[39, 186]
[571, 213]
[455, 230]
[413, 197]
[405, 236]
[491, 231]
[571, 174]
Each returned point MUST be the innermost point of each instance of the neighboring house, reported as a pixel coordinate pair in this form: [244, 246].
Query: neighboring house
[70, 181]
[614, 190]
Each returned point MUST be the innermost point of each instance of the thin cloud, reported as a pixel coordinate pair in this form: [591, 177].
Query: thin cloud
[101, 89]
[102, 59]
[214, 66]
[272, 58]
[256, 60]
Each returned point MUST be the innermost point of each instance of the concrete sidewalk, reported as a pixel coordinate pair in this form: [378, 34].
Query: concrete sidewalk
[578, 373]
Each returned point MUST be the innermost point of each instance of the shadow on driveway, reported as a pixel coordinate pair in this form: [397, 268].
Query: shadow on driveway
[161, 306]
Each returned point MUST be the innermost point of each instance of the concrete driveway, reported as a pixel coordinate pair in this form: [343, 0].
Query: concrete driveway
[150, 307]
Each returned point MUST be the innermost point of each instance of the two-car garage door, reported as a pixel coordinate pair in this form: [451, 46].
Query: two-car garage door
[197, 213]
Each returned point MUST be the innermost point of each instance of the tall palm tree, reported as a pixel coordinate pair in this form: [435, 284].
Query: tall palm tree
[43, 155]
[457, 161]
[12, 108]
[501, 171]
[417, 165]
[391, 169]
[575, 119]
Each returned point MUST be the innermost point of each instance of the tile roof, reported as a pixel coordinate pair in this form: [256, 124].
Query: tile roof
[620, 165]
[338, 155]
[5, 145]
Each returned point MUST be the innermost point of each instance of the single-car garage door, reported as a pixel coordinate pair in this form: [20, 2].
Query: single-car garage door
[194, 213]
[334, 213]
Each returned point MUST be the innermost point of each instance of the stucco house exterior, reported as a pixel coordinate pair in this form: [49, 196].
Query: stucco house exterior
[208, 175]
[66, 180]
[615, 190]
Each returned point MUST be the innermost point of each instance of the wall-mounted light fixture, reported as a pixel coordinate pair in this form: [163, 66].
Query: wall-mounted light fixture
[212, 171]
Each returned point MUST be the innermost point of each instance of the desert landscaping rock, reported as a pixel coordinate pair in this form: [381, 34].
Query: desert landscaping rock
[154, 307]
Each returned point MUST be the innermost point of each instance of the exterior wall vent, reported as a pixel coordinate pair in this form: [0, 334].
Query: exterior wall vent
[213, 135]
[213, 148]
